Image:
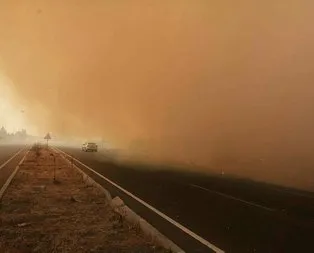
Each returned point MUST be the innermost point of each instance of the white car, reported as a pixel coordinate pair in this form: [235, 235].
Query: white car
[90, 146]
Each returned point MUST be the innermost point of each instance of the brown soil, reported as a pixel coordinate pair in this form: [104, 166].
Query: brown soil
[40, 214]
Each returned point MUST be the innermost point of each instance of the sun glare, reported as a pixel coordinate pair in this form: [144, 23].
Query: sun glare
[12, 116]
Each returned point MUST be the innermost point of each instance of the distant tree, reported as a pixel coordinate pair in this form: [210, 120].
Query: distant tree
[24, 133]
[3, 132]
[21, 134]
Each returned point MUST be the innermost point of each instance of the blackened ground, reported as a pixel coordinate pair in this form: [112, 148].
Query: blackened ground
[235, 215]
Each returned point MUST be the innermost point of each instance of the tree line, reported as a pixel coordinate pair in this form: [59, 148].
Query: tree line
[4, 134]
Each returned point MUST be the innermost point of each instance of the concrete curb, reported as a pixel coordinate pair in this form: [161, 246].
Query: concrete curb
[152, 233]
[128, 214]
[87, 179]
[9, 180]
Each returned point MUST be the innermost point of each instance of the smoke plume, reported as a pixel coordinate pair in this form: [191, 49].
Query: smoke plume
[227, 85]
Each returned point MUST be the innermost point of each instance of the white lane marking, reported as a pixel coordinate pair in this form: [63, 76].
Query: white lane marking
[7, 183]
[234, 198]
[164, 216]
[16, 154]
[304, 195]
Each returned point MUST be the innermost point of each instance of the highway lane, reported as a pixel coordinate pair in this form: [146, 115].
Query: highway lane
[7, 151]
[235, 215]
[10, 155]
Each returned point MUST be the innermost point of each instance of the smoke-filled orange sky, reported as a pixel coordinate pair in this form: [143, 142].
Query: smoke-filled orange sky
[225, 84]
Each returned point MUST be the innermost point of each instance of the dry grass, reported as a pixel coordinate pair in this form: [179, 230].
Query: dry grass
[39, 214]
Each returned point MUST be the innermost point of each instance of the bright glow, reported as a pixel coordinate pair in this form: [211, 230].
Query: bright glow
[12, 116]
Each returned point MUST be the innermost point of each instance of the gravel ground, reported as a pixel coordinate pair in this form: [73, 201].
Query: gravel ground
[41, 214]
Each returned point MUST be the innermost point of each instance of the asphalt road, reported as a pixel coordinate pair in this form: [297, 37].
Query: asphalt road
[6, 152]
[234, 215]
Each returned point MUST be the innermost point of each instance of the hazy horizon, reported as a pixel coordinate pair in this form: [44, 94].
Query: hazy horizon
[221, 85]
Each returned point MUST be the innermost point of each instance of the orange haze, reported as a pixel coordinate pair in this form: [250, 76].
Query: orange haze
[228, 85]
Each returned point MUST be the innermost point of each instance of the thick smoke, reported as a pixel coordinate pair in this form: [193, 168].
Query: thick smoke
[226, 85]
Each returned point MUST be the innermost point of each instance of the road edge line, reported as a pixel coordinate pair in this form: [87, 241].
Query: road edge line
[162, 215]
[248, 203]
[127, 213]
[9, 180]
[11, 158]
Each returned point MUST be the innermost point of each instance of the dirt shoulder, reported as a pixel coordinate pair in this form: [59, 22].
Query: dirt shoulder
[40, 214]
